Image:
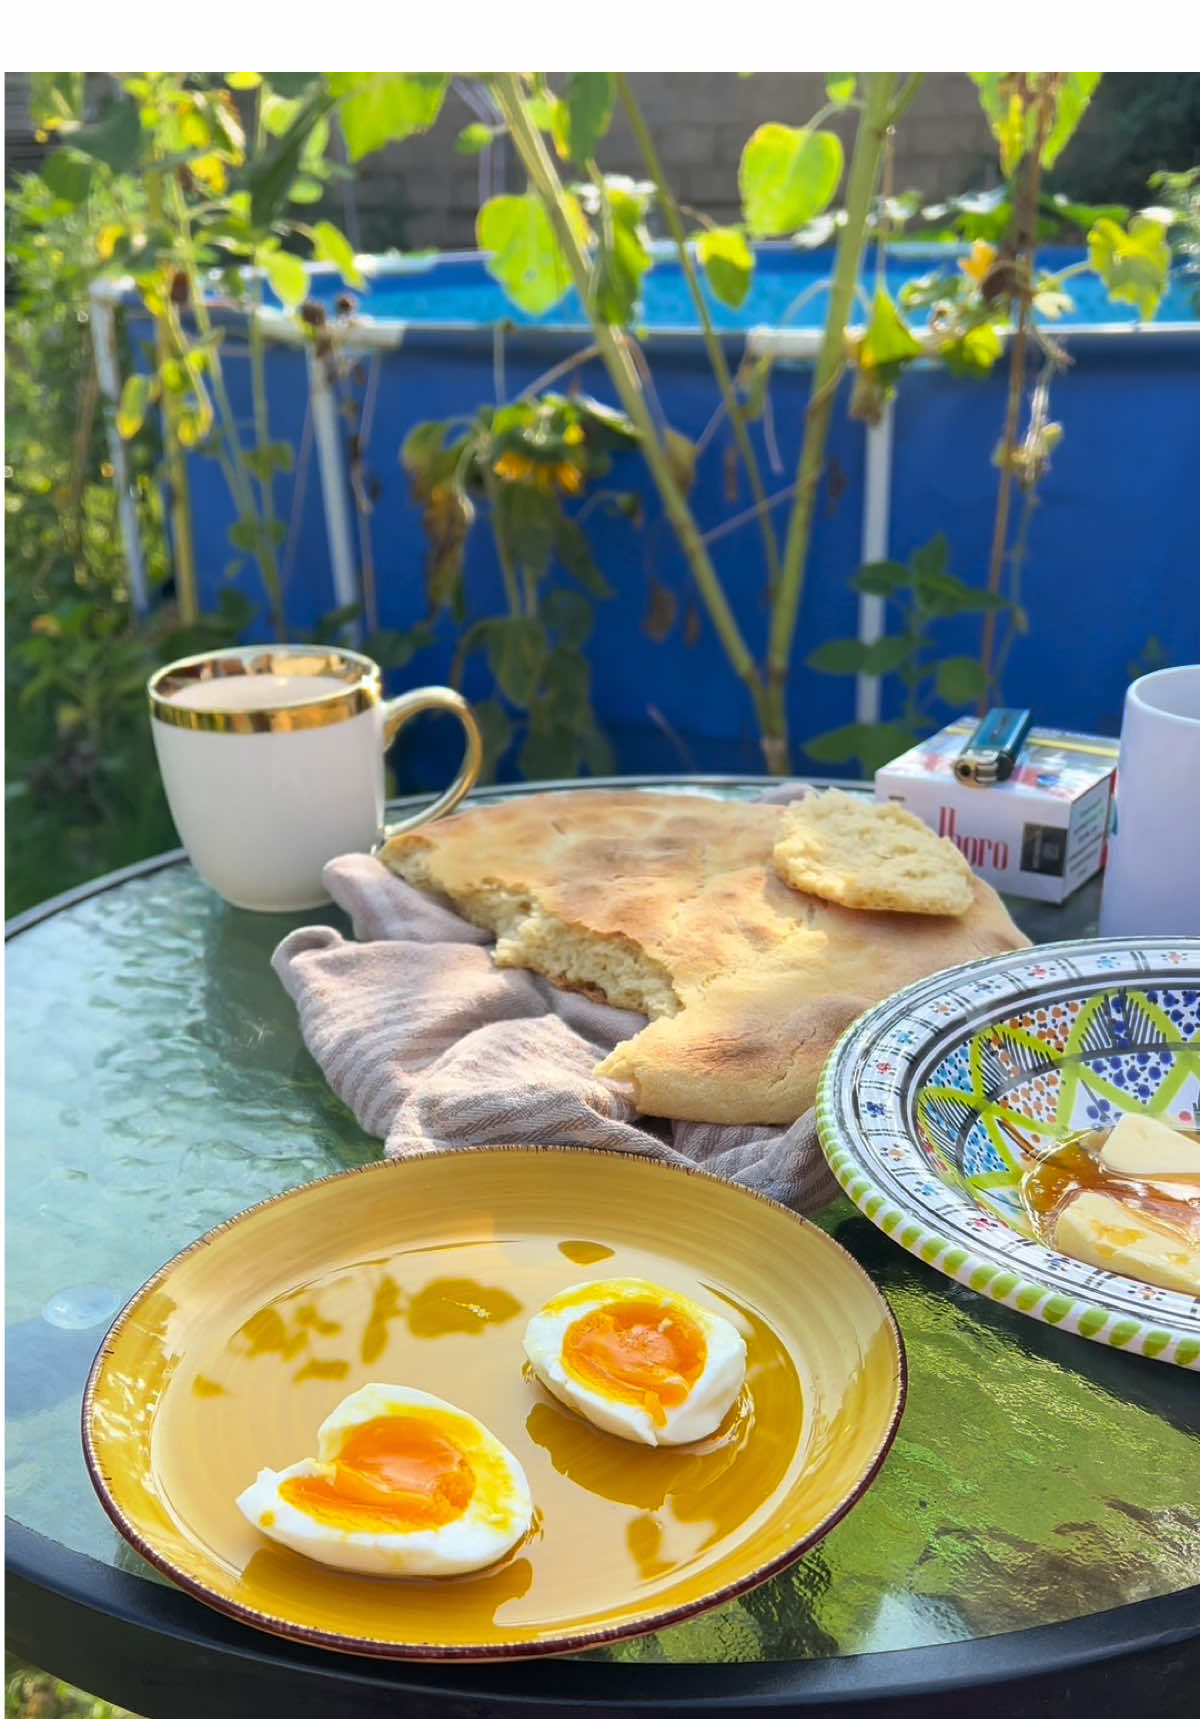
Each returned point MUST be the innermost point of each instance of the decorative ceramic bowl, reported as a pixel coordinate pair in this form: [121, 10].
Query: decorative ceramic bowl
[936, 1102]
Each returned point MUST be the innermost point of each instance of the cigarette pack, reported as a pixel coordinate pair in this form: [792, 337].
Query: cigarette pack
[1041, 833]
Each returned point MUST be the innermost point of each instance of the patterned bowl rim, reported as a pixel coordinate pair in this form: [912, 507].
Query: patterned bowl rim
[1019, 1273]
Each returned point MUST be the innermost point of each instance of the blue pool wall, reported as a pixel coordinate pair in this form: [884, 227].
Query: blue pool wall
[1112, 563]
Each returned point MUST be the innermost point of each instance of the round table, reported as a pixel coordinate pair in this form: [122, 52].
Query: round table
[1032, 1544]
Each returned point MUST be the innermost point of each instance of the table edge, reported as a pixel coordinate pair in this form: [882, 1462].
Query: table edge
[45, 1576]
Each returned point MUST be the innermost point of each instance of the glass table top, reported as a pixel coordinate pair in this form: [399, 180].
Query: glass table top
[157, 1084]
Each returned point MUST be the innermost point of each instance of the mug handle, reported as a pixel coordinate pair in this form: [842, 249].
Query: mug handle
[398, 711]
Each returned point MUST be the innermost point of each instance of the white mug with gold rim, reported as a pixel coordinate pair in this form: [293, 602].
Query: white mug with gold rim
[272, 760]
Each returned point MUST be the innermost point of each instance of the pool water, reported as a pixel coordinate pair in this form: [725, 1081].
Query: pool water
[789, 288]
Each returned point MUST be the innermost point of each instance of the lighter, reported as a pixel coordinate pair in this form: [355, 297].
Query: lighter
[990, 755]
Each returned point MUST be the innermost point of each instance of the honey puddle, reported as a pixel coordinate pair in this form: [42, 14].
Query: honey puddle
[1075, 1167]
[612, 1517]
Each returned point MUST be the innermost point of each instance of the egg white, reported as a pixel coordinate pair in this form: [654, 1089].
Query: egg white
[498, 1514]
[711, 1396]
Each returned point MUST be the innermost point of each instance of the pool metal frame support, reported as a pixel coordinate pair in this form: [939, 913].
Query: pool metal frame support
[346, 585]
[876, 529]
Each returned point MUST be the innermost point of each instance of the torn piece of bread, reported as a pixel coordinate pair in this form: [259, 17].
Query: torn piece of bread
[870, 854]
[669, 904]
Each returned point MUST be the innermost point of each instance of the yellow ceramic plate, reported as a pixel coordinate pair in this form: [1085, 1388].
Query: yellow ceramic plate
[424, 1273]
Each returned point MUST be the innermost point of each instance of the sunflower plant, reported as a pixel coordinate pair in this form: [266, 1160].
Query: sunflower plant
[520, 466]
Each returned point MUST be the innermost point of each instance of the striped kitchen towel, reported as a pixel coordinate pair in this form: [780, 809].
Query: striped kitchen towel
[433, 1046]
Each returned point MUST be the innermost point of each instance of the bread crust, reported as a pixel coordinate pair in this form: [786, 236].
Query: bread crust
[671, 904]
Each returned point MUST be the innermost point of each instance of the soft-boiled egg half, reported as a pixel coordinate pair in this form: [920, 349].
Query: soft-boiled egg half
[403, 1484]
[638, 1360]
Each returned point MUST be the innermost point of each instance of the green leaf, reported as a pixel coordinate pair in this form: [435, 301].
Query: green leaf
[838, 745]
[288, 277]
[496, 731]
[932, 558]
[117, 139]
[588, 101]
[1009, 115]
[272, 457]
[960, 680]
[880, 578]
[526, 518]
[474, 139]
[244, 534]
[270, 175]
[305, 191]
[278, 112]
[1073, 98]
[383, 107]
[728, 263]
[55, 97]
[516, 651]
[883, 655]
[392, 649]
[570, 615]
[888, 340]
[549, 755]
[133, 406]
[787, 175]
[420, 446]
[573, 550]
[331, 245]
[621, 256]
[68, 174]
[974, 352]
[837, 656]
[840, 87]
[524, 254]
[1134, 265]
[872, 743]
[567, 679]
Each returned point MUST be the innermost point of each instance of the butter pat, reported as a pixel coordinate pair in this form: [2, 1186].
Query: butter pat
[1140, 1146]
[1102, 1231]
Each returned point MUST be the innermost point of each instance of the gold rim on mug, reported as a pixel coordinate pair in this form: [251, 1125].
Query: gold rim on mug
[361, 688]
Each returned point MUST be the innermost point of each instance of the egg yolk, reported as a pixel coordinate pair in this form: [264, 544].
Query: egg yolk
[638, 1352]
[397, 1474]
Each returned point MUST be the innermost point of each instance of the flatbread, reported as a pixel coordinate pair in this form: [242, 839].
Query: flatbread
[870, 853]
[670, 904]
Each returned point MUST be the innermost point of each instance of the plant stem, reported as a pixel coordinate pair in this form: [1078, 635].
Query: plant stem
[712, 345]
[173, 457]
[907, 92]
[1024, 225]
[267, 559]
[544, 179]
[508, 572]
[864, 170]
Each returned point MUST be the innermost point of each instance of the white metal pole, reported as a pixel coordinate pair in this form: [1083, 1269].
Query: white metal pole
[876, 526]
[333, 487]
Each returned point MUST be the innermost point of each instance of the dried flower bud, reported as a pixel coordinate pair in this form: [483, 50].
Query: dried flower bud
[312, 313]
[179, 287]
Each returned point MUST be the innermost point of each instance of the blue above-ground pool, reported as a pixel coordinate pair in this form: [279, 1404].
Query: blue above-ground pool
[1111, 581]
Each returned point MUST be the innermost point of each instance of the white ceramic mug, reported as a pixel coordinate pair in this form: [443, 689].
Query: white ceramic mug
[1152, 878]
[272, 761]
